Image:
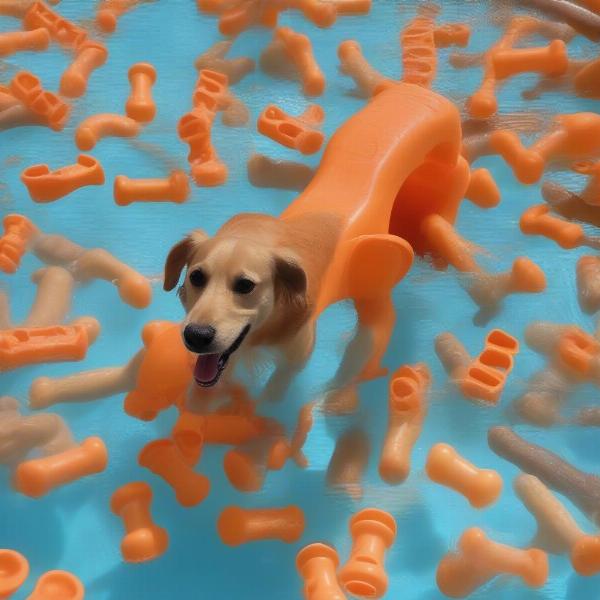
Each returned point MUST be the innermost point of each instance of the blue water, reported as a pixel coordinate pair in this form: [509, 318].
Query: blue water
[73, 528]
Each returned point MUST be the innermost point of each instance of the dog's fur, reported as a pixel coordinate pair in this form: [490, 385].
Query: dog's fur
[285, 259]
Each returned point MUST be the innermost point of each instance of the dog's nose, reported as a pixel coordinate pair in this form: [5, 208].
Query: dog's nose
[198, 337]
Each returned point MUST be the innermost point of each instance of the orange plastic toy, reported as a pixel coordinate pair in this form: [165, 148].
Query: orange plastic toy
[90, 56]
[163, 458]
[109, 12]
[91, 130]
[39, 476]
[65, 32]
[407, 410]
[537, 220]
[213, 59]
[27, 88]
[352, 7]
[317, 565]
[483, 190]
[572, 137]
[586, 80]
[354, 64]
[212, 92]
[591, 193]
[144, 540]
[14, 570]
[373, 531]
[140, 104]
[551, 60]
[481, 487]
[295, 49]
[58, 584]
[239, 526]
[165, 353]
[452, 34]
[46, 186]
[18, 41]
[298, 133]
[18, 8]
[24, 346]
[480, 559]
[18, 232]
[174, 189]
[483, 104]
[419, 56]
[486, 375]
[585, 555]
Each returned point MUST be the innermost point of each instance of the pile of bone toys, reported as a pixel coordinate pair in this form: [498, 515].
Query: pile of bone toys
[39, 448]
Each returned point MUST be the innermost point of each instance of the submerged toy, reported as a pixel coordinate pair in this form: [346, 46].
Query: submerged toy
[407, 410]
[14, 569]
[140, 105]
[317, 565]
[17, 41]
[445, 466]
[239, 526]
[373, 532]
[479, 559]
[57, 584]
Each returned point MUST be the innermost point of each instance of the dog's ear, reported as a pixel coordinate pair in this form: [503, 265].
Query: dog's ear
[291, 293]
[179, 256]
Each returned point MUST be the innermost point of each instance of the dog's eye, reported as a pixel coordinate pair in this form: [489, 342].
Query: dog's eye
[242, 285]
[198, 278]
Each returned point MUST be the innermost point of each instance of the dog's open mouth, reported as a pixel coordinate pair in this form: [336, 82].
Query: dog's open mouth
[209, 367]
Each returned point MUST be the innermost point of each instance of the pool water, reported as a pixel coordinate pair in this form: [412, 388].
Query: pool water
[73, 528]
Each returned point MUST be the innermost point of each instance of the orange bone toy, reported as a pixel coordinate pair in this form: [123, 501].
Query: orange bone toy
[354, 64]
[419, 56]
[317, 565]
[291, 48]
[91, 130]
[60, 29]
[140, 105]
[479, 559]
[31, 345]
[57, 584]
[239, 526]
[483, 104]
[298, 133]
[483, 190]
[194, 129]
[452, 34]
[537, 220]
[39, 476]
[27, 88]
[481, 487]
[486, 376]
[572, 137]
[144, 540]
[174, 189]
[585, 555]
[551, 60]
[407, 410]
[18, 232]
[18, 8]
[214, 59]
[212, 93]
[14, 570]
[591, 193]
[109, 12]
[373, 532]
[90, 56]
[46, 186]
[17, 41]
[163, 458]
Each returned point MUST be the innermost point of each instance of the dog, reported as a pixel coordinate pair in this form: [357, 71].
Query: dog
[254, 283]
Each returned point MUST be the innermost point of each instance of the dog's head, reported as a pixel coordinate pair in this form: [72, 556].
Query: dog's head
[235, 288]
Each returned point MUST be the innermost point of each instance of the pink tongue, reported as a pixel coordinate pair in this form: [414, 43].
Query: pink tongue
[207, 367]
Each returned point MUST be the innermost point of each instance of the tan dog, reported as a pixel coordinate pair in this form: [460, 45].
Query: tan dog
[252, 284]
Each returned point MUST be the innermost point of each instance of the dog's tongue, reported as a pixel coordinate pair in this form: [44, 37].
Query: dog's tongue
[207, 367]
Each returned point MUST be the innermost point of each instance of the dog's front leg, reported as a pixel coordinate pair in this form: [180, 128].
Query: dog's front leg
[293, 356]
[85, 386]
